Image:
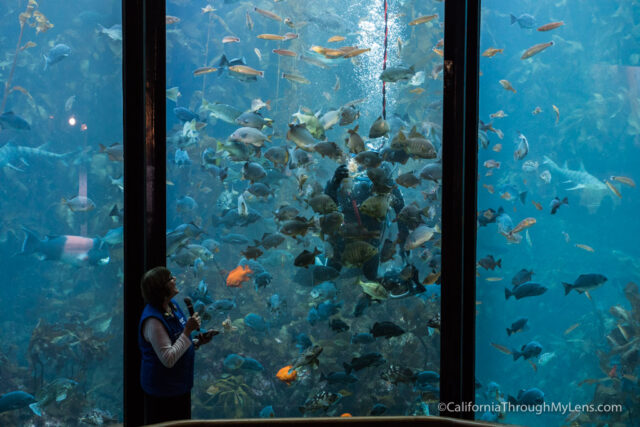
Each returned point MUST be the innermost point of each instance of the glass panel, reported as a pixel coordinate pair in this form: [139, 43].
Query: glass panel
[61, 213]
[296, 259]
[557, 315]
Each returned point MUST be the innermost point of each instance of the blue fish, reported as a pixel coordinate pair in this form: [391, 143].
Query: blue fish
[322, 311]
[181, 158]
[525, 20]
[56, 54]
[15, 400]
[74, 250]
[9, 120]
[233, 361]
[251, 364]
[524, 290]
[325, 290]
[262, 280]
[256, 322]
[427, 381]
[276, 304]
[10, 154]
[185, 114]
[378, 409]
[267, 412]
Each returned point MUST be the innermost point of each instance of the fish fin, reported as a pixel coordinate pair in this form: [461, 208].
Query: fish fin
[516, 354]
[507, 293]
[509, 332]
[61, 397]
[577, 187]
[567, 287]
[35, 409]
[31, 242]
[347, 368]
[499, 263]
[513, 18]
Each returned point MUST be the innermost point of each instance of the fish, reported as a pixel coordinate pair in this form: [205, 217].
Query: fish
[301, 137]
[585, 247]
[551, 26]
[489, 263]
[492, 51]
[528, 289]
[287, 375]
[308, 357]
[10, 120]
[56, 54]
[230, 39]
[171, 20]
[613, 189]
[248, 21]
[505, 84]
[284, 52]
[243, 69]
[623, 179]
[203, 70]
[584, 283]
[527, 351]
[537, 205]
[518, 326]
[386, 329]
[237, 276]
[74, 250]
[57, 390]
[356, 52]
[530, 397]
[557, 111]
[270, 37]
[268, 14]
[522, 147]
[536, 111]
[364, 361]
[556, 203]
[591, 188]
[525, 223]
[535, 49]
[571, 328]
[114, 32]
[79, 204]
[524, 21]
[334, 39]
[321, 401]
[521, 277]
[395, 74]
[295, 78]
[173, 93]
[423, 19]
[306, 258]
[17, 400]
[501, 348]
[493, 279]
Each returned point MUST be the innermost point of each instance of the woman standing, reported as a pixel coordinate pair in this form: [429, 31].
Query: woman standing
[164, 339]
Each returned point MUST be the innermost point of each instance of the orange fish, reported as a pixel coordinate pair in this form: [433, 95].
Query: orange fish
[345, 415]
[505, 84]
[287, 375]
[270, 37]
[238, 275]
[525, 223]
[535, 49]
[613, 189]
[502, 348]
[335, 39]
[550, 26]
[438, 52]
[203, 70]
[571, 328]
[613, 372]
[623, 179]
[537, 205]
[491, 52]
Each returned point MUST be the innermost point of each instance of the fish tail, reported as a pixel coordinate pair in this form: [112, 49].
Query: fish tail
[31, 242]
[567, 288]
[512, 400]
[516, 354]
[513, 18]
[499, 263]
[507, 293]
[565, 200]
[35, 409]
[509, 332]
[347, 368]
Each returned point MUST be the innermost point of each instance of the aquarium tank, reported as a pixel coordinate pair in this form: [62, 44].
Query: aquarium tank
[304, 183]
[557, 305]
[61, 213]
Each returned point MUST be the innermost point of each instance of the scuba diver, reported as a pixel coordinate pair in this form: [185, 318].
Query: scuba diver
[360, 226]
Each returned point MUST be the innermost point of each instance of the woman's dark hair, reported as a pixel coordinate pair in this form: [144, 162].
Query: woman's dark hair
[154, 286]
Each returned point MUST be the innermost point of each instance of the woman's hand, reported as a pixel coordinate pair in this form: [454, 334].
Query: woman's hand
[193, 324]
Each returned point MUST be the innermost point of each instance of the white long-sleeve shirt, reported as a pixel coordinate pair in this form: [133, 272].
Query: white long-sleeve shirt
[154, 332]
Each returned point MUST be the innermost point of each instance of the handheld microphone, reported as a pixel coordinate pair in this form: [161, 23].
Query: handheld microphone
[187, 302]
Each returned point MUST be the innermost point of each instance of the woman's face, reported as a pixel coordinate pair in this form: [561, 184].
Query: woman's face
[172, 288]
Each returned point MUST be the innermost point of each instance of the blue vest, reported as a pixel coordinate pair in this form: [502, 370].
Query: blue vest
[155, 378]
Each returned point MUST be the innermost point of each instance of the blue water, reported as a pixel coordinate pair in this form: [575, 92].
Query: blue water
[591, 75]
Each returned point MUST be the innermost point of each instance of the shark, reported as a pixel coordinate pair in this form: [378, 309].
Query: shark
[10, 154]
[592, 190]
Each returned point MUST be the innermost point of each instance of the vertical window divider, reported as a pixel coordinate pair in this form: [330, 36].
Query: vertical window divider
[144, 104]
[460, 155]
